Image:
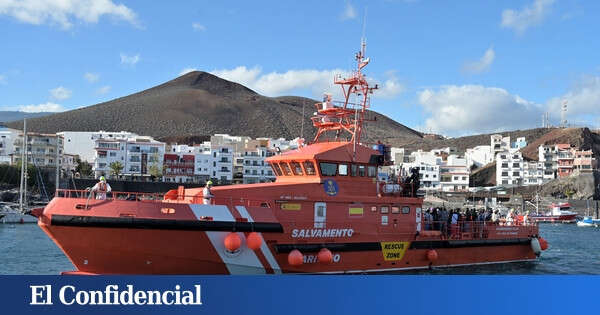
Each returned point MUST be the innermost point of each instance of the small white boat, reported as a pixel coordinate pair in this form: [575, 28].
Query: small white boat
[588, 221]
[11, 216]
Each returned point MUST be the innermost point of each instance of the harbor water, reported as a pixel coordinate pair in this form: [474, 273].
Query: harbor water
[25, 249]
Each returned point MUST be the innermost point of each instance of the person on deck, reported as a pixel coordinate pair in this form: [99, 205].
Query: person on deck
[207, 195]
[101, 188]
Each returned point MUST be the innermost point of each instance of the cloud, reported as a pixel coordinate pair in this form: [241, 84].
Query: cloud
[481, 65]
[129, 60]
[583, 100]
[530, 15]
[60, 93]
[46, 107]
[390, 88]
[458, 110]
[317, 81]
[187, 70]
[198, 27]
[103, 90]
[91, 77]
[278, 83]
[65, 12]
[349, 12]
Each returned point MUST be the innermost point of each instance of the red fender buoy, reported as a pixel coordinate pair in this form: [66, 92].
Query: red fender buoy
[254, 241]
[432, 255]
[232, 242]
[295, 258]
[543, 243]
[325, 256]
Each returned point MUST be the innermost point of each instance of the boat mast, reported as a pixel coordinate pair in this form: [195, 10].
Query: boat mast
[23, 184]
[345, 115]
[57, 182]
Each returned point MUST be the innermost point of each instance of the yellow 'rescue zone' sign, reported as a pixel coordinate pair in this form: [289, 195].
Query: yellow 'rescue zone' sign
[394, 250]
[291, 206]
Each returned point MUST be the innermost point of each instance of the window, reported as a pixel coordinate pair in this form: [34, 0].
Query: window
[384, 209]
[309, 168]
[276, 169]
[296, 168]
[373, 208]
[372, 171]
[285, 169]
[354, 168]
[343, 169]
[361, 170]
[328, 169]
[395, 209]
[405, 210]
[516, 174]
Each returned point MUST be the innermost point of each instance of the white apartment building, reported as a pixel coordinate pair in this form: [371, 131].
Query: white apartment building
[454, 174]
[255, 169]
[509, 168]
[499, 144]
[82, 143]
[479, 156]
[138, 155]
[533, 173]
[203, 161]
[7, 140]
[41, 149]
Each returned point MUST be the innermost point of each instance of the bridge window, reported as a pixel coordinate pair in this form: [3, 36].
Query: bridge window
[405, 210]
[372, 171]
[309, 168]
[361, 170]
[328, 169]
[354, 169]
[276, 169]
[343, 169]
[384, 209]
[285, 168]
[296, 168]
[395, 209]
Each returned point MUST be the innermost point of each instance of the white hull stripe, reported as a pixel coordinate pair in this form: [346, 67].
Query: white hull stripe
[243, 262]
[263, 247]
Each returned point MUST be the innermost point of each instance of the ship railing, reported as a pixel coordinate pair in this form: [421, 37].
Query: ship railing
[113, 195]
[474, 229]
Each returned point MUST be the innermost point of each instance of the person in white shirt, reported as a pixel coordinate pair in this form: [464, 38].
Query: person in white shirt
[101, 188]
[207, 195]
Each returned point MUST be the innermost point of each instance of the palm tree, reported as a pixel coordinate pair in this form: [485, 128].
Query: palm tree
[115, 168]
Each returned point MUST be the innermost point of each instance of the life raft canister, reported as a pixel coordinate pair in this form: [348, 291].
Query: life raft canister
[232, 242]
[325, 256]
[295, 258]
[254, 241]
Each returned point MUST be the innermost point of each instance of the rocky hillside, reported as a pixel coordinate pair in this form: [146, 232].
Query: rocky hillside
[201, 104]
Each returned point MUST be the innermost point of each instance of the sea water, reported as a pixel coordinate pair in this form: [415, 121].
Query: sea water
[26, 249]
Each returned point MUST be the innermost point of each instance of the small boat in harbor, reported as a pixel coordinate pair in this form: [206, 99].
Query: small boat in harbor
[9, 215]
[588, 221]
[559, 213]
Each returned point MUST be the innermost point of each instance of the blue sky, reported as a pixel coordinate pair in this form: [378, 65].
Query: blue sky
[452, 67]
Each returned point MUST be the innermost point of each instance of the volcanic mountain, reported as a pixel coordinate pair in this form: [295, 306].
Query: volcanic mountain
[201, 104]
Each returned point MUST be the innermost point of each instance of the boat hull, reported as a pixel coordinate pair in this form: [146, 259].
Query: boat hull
[101, 250]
